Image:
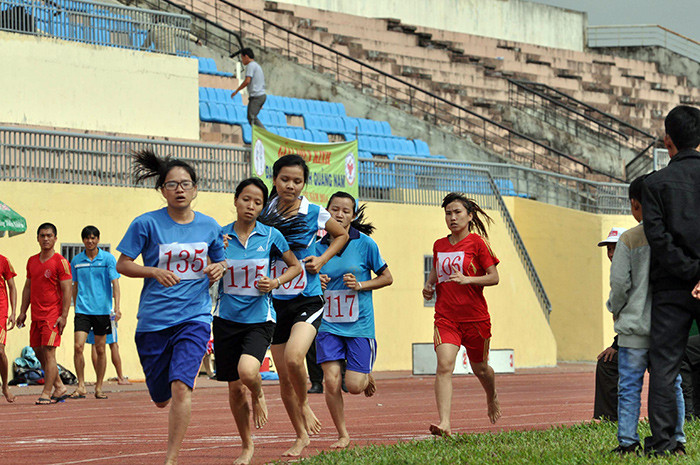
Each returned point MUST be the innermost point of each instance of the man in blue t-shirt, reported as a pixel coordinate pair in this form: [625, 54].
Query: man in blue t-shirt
[95, 283]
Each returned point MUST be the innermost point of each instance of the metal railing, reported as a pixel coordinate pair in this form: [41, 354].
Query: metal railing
[576, 117]
[426, 183]
[98, 23]
[65, 157]
[643, 35]
[370, 80]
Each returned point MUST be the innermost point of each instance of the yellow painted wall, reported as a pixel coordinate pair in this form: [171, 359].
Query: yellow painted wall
[56, 83]
[575, 272]
[404, 233]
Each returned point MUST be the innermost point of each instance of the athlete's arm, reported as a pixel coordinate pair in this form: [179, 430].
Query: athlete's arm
[429, 288]
[215, 271]
[265, 284]
[340, 237]
[26, 297]
[696, 291]
[12, 293]
[66, 290]
[75, 292]
[116, 293]
[488, 279]
[127, 267]
[378, 282]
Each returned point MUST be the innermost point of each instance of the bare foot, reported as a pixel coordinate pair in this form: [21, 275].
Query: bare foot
[371, 386]
[8, 395]
[313, 424]
[123, 381]
[341, 443]
[259, 412]
[245, 457]
[494, 408]
[60, 395]
[297, 447]
[440, 430]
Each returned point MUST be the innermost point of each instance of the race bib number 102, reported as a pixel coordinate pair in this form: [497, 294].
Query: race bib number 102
[446, 261]
[186, 260]
[295, 286]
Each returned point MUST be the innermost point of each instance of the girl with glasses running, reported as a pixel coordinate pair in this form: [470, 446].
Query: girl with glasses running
[174, 315]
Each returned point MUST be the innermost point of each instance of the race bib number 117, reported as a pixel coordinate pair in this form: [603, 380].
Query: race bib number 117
[341, 306]
[186, 260]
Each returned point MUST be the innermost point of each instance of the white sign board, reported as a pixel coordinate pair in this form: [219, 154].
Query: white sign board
[425, 360]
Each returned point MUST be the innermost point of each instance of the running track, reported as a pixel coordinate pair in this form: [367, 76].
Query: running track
[127, 429]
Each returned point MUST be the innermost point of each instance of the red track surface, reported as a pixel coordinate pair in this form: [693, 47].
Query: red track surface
[128, 429]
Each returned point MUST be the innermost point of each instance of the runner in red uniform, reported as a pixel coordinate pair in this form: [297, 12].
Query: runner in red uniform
[463, 264]
[7, 296]
[48, 290]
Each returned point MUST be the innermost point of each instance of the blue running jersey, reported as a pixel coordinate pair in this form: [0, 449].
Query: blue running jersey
[94, 278]
[239, 299]
[182, 249]
[303, 245]
[346, 312]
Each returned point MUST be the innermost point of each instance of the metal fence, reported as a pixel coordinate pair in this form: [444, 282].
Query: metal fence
[64, 157]
[98, 23]
[426, 183]
[643, 35]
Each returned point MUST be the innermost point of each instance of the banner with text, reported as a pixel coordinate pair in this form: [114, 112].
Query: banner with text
[332, 166]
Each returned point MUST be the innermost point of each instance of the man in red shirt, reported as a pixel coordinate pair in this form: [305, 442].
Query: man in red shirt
[7, 275]
[48, 290]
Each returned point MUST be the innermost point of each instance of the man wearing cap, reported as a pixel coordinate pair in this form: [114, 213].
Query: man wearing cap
[671, 204]
[606, 374]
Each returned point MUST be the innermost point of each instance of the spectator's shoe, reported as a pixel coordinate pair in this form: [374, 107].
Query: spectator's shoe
[316, 388]
[679, 450]
[635, 448]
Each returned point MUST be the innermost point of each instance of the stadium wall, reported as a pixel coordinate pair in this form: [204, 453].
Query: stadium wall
[563, 244]
[515, 20]
[56, 83]
[405, 233]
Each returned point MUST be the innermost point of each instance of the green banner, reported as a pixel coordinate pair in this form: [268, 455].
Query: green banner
[332, 166]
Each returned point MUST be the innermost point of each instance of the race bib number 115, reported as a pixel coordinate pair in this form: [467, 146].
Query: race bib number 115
[186, 260]
[241, 277]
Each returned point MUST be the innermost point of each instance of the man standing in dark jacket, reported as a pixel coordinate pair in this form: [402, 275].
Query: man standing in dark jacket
[671, 210]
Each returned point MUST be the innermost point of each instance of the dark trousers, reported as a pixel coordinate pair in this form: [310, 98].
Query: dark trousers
[255, 104]
[605, 402]
[672, 313]
[690, 374]
[314, 369]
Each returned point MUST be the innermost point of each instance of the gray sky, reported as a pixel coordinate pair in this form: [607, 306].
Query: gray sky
[681, 16]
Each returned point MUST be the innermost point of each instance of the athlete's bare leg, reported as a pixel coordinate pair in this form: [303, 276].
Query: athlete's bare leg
[79, 361]
[241, 414]
[249, 372]
[178, 418]
[290, 401]
[4, 375]
[332, 380]
[446, 355]
[487, 377]
[300, 339]
[117, 362]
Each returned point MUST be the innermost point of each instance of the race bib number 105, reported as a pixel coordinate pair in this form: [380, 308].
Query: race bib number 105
[241, 277]
[446, 261]
[186, 260]
[341, 306]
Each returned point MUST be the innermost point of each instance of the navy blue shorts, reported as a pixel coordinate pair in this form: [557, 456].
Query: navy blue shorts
[172, 354]
[360, 352]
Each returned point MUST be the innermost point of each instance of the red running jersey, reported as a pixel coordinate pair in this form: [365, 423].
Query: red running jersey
[6, 272]
[457, 302]
[47, 298]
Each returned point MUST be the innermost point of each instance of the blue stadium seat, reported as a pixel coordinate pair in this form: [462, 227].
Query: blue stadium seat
[203, 96]
[352, 125]
[273, 102]
[218, 112]
[385, 128]
[421, 147]
[320, 136]
[375, 175]
[204, 112]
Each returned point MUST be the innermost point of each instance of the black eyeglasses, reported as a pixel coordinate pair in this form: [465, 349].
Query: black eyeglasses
[172, 185]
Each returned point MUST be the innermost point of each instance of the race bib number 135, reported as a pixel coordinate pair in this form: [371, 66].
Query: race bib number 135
[186, 260]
